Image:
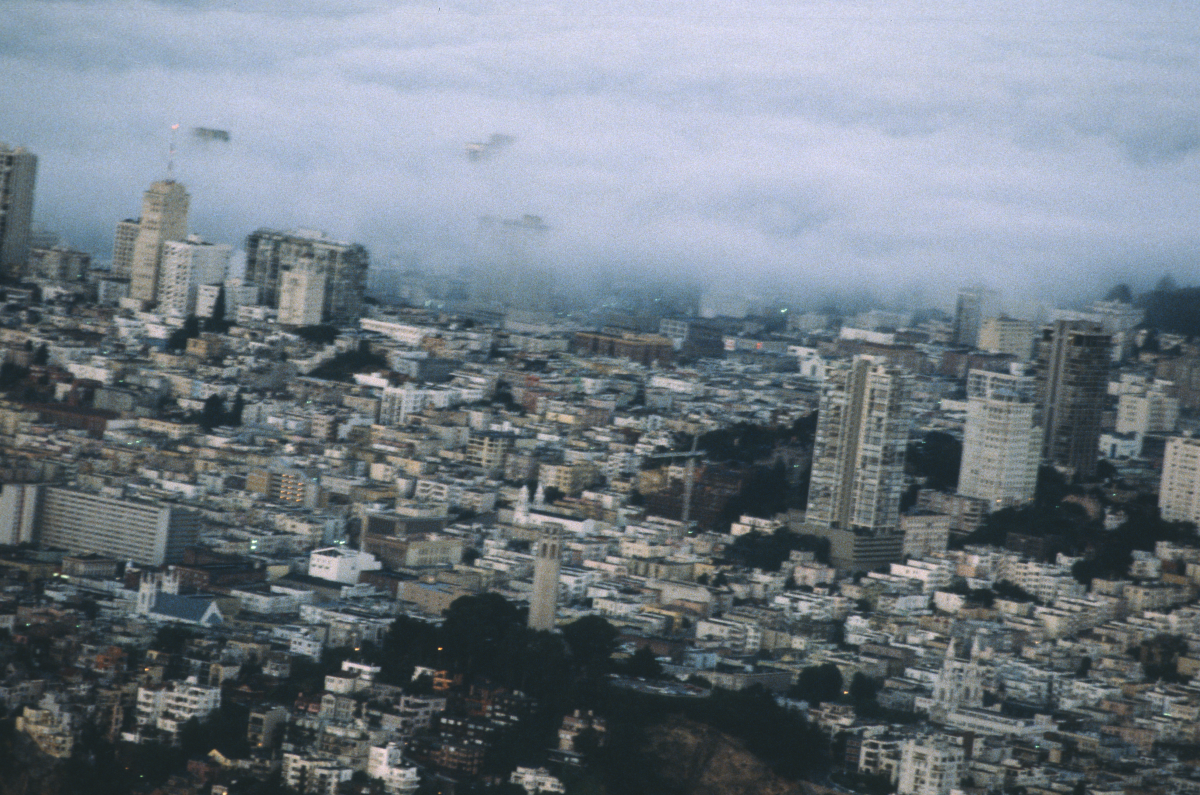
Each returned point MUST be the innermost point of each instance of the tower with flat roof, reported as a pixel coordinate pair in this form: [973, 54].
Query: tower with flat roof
[164, 218]
[18, 170]
[543, 604]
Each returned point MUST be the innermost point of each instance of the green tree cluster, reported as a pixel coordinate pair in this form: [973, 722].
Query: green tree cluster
[768, 551]
[343, 366]
[818, 684]
[936, 459]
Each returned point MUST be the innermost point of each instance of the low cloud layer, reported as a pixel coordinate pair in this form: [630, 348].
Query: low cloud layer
[900, 147]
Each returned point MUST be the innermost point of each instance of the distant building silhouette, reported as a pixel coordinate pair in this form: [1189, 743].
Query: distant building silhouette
[974, 306]
[18, 172]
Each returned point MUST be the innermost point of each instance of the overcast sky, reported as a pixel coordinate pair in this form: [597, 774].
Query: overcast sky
[1043, 148]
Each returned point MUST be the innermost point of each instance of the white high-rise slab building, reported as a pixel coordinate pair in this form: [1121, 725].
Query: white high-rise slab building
[187, 264]
[1179, 494]
[1001, 443]
[858, 457]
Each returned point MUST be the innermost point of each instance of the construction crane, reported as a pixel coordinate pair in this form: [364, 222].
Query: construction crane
[690, 475]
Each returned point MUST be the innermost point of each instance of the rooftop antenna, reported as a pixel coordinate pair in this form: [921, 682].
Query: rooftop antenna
[171, 154]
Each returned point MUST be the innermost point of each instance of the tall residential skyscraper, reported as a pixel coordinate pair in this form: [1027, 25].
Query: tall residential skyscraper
[1072, 366]
[543, 603]
[164, 217]
[858, 461]
[123, 243]
[1179, 494]
[18, 171]
[974, 306]
[331, 272]
[187, 264]
[1002, 446]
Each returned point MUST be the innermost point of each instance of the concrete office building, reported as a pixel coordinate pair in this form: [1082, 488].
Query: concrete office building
[1072, 367]
[123, 243]
[301, 297]
[1001, 444]
[1179, 494]
[18, 512]
[149, 533]
[543, 603]
[164, 217]
[324, 272]
[1007, 335]
[1149, 411]
[858, 461]
[18, 172]
[187, 264]
[929, 766]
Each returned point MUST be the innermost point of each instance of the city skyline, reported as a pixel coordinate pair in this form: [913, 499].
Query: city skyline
[779, 149]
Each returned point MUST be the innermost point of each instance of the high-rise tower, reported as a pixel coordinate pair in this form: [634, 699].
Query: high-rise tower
[543, 604]
[18, 170]
[123, 242]
[1001, 444]
[1073, 357]
[858, 462]
[1179, 495]
[306, 274]
[164, 217]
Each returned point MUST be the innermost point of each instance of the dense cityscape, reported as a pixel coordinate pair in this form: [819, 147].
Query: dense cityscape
[264, 531]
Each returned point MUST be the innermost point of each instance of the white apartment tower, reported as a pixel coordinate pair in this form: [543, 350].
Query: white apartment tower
[186, 265]
[164, 217]
[1179, 494]
[1001, 443]
[858, 463]
[18, 171]
[929, 766]
[1150, 410]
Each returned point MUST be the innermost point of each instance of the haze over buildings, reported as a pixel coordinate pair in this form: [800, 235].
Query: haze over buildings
[788, 150]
